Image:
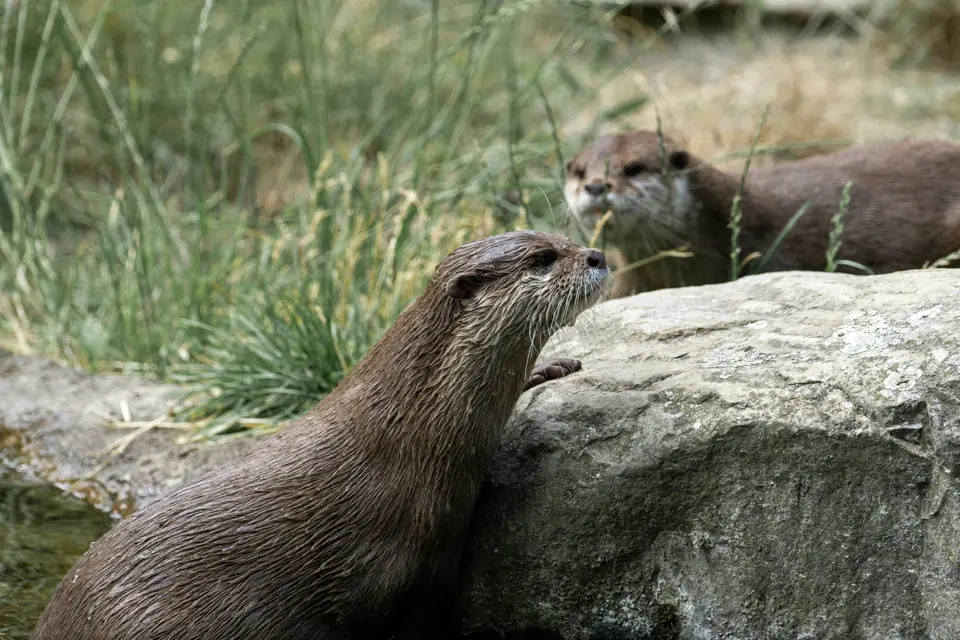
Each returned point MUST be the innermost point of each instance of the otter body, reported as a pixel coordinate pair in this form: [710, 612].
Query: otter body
[904, 208]
[349, 522]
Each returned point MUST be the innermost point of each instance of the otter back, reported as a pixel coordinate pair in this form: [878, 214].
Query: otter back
[349, 522]
[904, 208]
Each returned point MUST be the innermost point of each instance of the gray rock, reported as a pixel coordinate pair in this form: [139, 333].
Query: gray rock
[55, 421]
[771, 458]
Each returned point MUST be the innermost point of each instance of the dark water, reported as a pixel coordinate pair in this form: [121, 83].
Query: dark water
[42, 533]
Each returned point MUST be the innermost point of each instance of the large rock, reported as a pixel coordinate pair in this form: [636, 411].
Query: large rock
[771, 458]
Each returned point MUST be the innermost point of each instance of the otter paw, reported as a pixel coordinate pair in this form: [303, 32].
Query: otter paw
[552, 370]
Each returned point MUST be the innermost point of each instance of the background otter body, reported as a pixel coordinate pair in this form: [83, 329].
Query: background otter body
[904, 208]
[349, 522]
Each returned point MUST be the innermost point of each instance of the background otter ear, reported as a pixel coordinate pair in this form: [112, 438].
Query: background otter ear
[679, 159]
[464, 285]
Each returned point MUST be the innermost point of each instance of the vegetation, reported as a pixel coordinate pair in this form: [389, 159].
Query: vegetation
[147, 226]
[242, 196]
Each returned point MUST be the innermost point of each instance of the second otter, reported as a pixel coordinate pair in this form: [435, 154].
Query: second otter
[904, 208]
[349, 522]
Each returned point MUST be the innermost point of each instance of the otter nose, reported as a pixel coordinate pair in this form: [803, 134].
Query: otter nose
[596, 188]
[596, 259]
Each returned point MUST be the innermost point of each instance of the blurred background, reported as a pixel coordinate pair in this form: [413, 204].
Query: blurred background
[241, 196]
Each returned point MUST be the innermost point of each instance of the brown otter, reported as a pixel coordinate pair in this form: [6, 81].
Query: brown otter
[904, 207]
[349, 522]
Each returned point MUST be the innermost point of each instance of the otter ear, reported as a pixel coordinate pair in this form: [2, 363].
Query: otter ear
[464, 285]
[679, 160]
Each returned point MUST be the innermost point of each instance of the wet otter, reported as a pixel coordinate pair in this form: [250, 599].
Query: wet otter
[904, 208]
[349, 522]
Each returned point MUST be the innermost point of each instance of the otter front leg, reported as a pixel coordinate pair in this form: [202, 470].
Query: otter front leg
[552, 370]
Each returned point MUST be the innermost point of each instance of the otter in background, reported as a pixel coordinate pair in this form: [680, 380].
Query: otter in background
[349, 522]
[904, 208]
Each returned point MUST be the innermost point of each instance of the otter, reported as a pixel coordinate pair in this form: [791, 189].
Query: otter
[904, 208]
[349, 522]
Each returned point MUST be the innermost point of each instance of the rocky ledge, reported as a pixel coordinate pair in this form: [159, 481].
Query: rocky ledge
[770, 458]
[57, 424]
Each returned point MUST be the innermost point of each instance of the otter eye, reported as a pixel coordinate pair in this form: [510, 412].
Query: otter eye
[579, 173]
[680, 160]
[545, 258]
[633, 169]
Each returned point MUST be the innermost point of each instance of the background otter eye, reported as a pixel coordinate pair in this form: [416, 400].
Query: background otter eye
[680, 160]
[633, 169]
[545, 258]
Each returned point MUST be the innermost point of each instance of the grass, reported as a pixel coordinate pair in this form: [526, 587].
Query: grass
[241, 197]
[736, 210]
[836, 230]
[147, 229]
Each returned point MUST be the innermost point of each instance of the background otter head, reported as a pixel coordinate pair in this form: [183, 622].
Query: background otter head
[523, 284]
[626, 173]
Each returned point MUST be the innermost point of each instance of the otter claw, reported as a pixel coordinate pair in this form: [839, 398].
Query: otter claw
[552, 371]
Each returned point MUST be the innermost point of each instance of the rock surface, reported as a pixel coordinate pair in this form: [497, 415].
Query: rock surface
[771, 458]
[55, 425]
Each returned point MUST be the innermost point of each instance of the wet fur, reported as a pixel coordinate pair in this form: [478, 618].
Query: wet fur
[349, 522]
[904, 208]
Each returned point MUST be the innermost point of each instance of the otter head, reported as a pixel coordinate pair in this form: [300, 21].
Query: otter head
[628, 175]
[522, 284]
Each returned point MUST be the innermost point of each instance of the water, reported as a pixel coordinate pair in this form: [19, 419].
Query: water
[42, 533]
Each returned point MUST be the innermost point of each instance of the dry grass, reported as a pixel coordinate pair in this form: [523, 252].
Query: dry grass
[910, 32]
[824, 93]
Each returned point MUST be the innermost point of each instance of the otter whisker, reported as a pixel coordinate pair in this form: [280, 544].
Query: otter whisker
[655, 229]
[585, 325]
